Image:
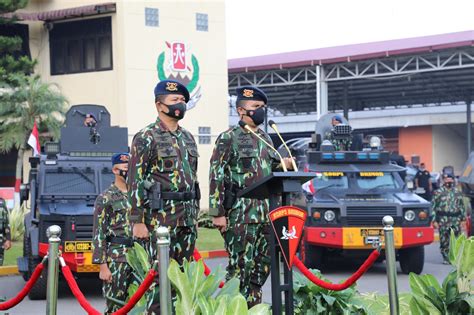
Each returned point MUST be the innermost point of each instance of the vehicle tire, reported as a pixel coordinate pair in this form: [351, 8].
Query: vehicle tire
[38, 291]
[313, 256]
[412, 259]
[27, 254]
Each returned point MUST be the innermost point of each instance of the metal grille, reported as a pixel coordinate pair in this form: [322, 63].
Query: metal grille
[69, 182]
[368, 216]
[84, 232]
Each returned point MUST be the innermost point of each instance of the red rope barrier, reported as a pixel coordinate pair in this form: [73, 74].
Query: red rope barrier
[340, 286]
[21, 295]
[207, 271]
[77, 292]
[138, 295]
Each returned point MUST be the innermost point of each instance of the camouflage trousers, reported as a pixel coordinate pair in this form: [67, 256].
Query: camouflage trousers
[445, 226]
[182, 243]
[249, 260]
[118, 289]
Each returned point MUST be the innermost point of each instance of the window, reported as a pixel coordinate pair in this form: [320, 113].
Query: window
[202, 22]
[203, 131]
[81, 46]
[152, 17]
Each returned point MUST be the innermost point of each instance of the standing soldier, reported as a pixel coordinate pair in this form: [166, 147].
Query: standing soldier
[240, 159]
[5, 237]
[112, 236]
[448, 213]
[163, 187]
[339, 143]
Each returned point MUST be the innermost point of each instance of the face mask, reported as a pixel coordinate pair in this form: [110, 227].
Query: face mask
[257, 115]
[176, 111]
[449, 185]
[123, 174]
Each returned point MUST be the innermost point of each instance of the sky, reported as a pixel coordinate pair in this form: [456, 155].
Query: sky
[261, 27]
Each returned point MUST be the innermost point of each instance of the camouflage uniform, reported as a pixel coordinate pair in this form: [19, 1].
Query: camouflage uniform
[448, 212]
[111, 221]
[4, 227]
[170, 158]
[339, 144]
[239, 157]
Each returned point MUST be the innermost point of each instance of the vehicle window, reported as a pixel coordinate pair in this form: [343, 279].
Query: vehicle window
[69, 181]
[376, 180]
[330, 179]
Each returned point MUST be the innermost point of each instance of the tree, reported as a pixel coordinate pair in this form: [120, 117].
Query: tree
[24, 99]
[31, 100]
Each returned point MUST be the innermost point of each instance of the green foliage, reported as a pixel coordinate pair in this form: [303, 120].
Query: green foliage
[312, 299]
[376, 304]
[7, 6]
[456, 294]
[17, 223]
[20, 107]
[197, 294]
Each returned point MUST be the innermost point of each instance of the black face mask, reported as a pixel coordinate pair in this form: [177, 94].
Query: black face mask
[124, 174]
[257, 115]
[449, 185]
[176, 111]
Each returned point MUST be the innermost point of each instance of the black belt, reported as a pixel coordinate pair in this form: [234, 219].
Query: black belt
[448, 214]
[120, 240]
[184, 196]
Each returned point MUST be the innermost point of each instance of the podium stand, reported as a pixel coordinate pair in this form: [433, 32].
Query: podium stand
[277, 187]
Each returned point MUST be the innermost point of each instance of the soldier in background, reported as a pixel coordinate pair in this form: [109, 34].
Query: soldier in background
[238, 160]
[163, 162]
[448, 213]
[340, 144]
[112, 236]
[5, 237]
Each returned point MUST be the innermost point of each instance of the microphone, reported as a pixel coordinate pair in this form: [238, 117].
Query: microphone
[272, 124]
[245, 126]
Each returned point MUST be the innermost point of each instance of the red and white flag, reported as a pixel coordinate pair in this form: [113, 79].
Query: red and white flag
[34, 141]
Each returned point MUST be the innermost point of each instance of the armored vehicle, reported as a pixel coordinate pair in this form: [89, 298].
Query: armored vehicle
[63, 185]
[351, 193]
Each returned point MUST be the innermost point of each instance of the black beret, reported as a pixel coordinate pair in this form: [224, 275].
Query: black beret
[337, 118]
[251, 93]
[120, 158]
[166, 87]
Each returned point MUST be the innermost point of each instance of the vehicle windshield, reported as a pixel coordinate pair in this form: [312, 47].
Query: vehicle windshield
[376, 180]
[62, 181]
[329, 180]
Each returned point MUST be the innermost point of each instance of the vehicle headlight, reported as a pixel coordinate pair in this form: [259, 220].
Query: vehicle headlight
[410, 215]
[329, 215]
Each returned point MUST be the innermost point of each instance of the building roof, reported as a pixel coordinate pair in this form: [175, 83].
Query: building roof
[348, 53]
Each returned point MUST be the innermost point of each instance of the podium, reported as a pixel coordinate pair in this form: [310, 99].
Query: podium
[277, 187]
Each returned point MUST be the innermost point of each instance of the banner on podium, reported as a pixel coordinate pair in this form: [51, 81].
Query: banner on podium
[288, 223]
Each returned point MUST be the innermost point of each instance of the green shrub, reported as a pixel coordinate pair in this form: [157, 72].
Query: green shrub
[455, 295]
[17, 223]
[309, 298]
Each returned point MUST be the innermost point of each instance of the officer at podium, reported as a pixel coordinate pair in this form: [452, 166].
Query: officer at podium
[240, 159]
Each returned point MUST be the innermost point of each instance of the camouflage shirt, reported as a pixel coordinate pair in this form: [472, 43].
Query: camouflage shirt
[110, 220]
[447, 201]
[243, 159]
[4, 222]
[339, 144]
[167, 157]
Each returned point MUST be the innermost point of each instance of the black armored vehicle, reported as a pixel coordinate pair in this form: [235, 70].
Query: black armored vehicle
[63, 185]
[351, 193]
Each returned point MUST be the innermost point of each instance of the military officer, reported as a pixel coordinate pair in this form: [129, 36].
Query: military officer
[5, 237]
[112, 236]
[164, 158]
[238, 160]
[448, 213]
